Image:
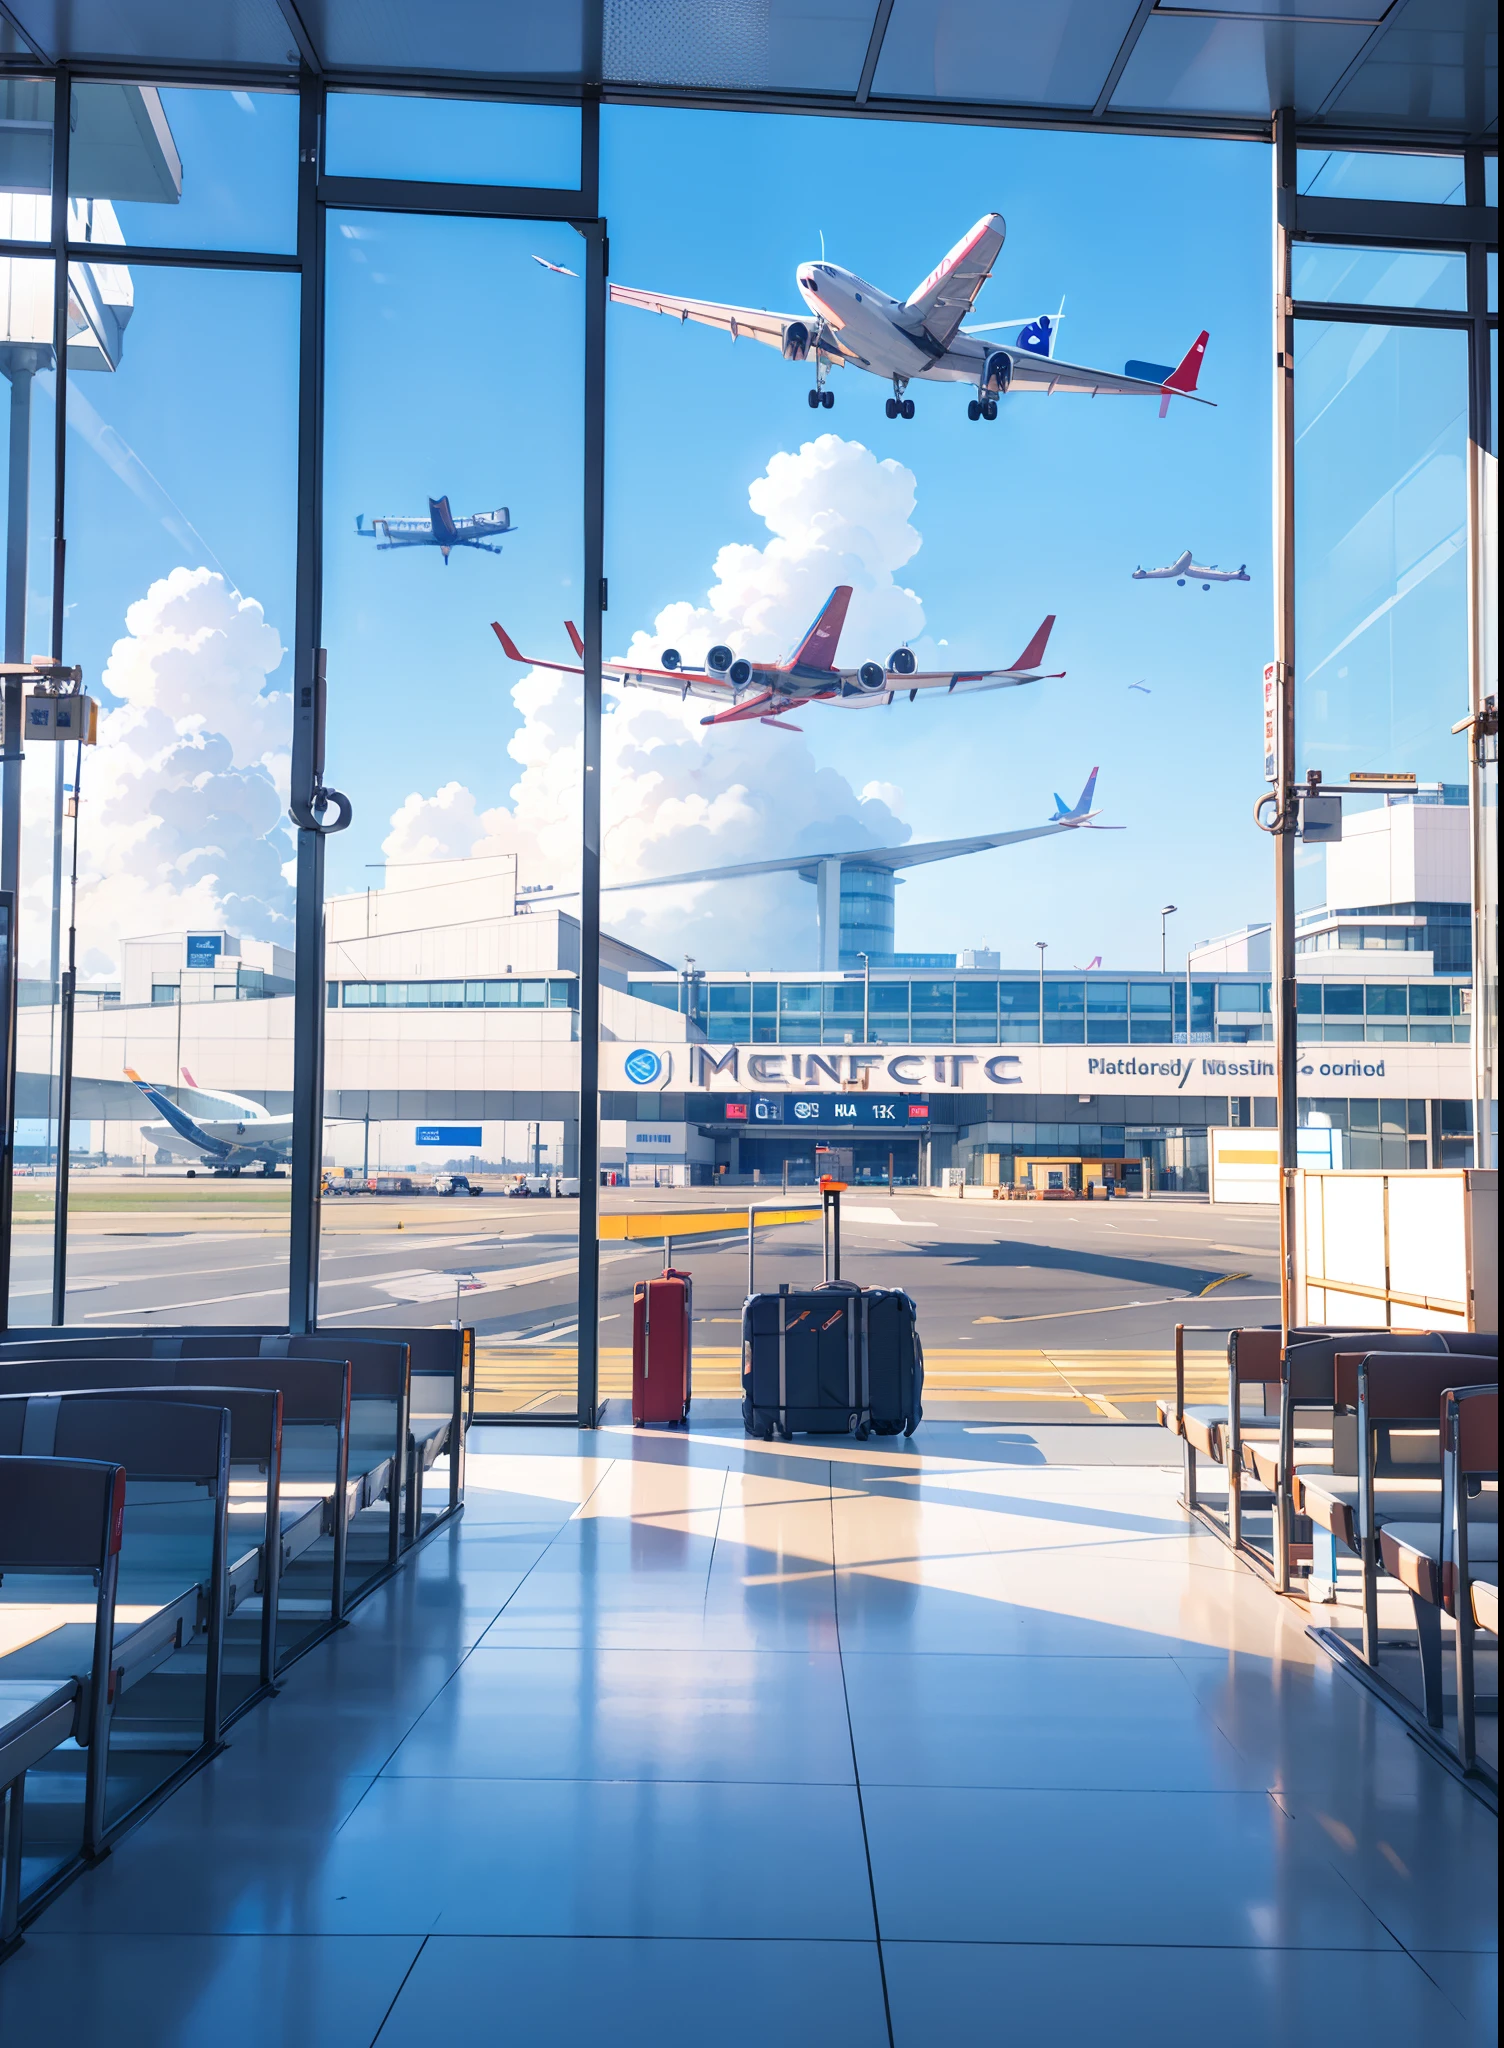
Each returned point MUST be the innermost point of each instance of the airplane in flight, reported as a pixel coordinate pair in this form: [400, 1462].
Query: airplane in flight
[1184, 570]
[439, 530]
[1079, 816]
[248, 1136]
[763, 690]
[849, 323]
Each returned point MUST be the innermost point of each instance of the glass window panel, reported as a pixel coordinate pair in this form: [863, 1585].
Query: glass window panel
[231, 32]
[933, 998]
[1001, 49]
[806, 45]
[1064, 998]
[797, 998]
[764, 997]
[1107, 1030]
[737, 997]
[1107, 998]
[1018, 999]
[25, 159]
[890, 999]
[168, 167]
[1344, 999]
[843, 998]
[485, 427]
[1490, 181]
[451, 141]
[1153, 998]
[1431, 278]
[182, 475]
[1217, 65]
[1380, 174]
[976, 997]
[1381, 626]
[1386, 1002]
[1238, 997]
[1430, 1000]
[452, 35]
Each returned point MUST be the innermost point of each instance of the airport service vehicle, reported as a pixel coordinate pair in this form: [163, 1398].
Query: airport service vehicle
[391, 1184]
[247, 1135]
[340, 1180]
[849, 323]
[566, 1185]
[525, 1185]
[1183, 570]
[455, 1184]
[763, 690]
[439, 530]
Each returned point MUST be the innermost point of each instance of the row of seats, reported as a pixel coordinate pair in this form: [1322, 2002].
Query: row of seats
[182, 1513]
[1381, 1444]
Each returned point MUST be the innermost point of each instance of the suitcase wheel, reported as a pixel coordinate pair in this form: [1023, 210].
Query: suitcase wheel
[862, 1432]
[909, 1428]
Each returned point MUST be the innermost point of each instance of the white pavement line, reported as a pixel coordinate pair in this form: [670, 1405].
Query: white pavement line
[1117, 1307]
[162, 1308]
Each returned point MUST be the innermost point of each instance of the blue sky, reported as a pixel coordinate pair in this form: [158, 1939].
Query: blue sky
[455, 366]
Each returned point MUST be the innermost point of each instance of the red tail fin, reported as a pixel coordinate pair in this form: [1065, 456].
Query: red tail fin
[818, 647]
[1188, 369]
[514, 653]
[574, 633]
[1033, 654]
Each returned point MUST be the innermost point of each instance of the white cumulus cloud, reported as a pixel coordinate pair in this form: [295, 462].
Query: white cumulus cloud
[184, 819]
[678, 795]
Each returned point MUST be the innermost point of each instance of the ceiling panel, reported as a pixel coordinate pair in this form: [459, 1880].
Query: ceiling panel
[509, 38]
[746, 45]
[1195, 64]
[1435, 65]
[1016, 51]
[160, 31]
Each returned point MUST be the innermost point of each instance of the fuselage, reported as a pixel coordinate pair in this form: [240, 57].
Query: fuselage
[872, 331]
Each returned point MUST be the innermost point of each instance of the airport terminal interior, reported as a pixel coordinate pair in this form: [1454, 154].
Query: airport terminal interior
[950, 1493]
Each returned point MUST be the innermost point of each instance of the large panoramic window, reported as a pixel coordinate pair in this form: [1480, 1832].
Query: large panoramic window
[452, 501]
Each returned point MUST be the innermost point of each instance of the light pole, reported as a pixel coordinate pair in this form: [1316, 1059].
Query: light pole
[1040, 945]
[866, 960]
[1167, 912]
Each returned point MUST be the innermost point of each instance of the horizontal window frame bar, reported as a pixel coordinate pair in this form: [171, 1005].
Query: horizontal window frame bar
[1394, 222]
[469, 202]
[1381, 316]
[192, 259]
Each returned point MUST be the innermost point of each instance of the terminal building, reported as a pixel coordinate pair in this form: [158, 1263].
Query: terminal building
[452, 1015]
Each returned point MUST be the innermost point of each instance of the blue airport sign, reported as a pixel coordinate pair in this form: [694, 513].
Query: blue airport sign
[204, 949]
[643, 1066]
[447, 1134]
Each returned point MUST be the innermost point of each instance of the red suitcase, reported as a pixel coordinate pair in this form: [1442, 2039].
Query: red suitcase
[661, 1327]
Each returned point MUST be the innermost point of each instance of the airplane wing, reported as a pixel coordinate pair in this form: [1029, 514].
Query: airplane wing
[753, 323]
[1049, 374]
[673, 682]
[942, 302]
[952, 680]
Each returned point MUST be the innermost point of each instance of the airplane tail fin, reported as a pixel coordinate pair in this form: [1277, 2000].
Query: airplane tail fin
[1033, 654]
[509, 645]
[360, 522]
[188, 1077]
[1183, 377]
[574, 638]
[818, 647]
[1079, 809]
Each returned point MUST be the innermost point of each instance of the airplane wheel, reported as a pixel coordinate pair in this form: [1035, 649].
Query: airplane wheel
[1180, 583]
[974, 411]
[827, 399]
[890, 407]
[1206, 586]
[906, 410]
[989, 410]
[814, 400]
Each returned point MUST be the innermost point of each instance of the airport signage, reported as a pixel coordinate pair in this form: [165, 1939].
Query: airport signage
[890, 1112]
[764, 1083]
[204, 949]
[447, 1134]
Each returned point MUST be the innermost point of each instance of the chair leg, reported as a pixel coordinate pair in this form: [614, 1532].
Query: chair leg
[1428, 1630]
[1467, 1726]
[12, 1796]
[1188, 1458]
[1370, 1565]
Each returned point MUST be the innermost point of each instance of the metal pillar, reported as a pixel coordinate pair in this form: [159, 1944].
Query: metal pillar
[587, 1366]
[828, 910]
[64, 979]
[20, 365]
[308, 740]
[1283, 936]
[1482, 722]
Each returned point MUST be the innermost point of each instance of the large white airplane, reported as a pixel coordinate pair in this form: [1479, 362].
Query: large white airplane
[850, 323]
[250, 1135]
[1183, 569]
[763, 690]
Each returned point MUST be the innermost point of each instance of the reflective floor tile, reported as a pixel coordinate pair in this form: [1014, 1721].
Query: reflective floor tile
[1213, 1869]
[1471, 1982]
[183, 1991]
[733, 1715]
[1160, 1997]
[489, 1993]
[1116, 1722]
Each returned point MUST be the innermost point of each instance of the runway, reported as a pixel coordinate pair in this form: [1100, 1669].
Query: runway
[1028, 1311]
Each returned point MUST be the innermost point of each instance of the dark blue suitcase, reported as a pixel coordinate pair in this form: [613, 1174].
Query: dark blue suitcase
[837, 1360]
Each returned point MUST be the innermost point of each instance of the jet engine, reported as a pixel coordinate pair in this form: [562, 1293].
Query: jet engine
[739, 674]
[671, 658]
[901, 661]
[871, 677]
[796, 340]
[718, 660]
[999, 371]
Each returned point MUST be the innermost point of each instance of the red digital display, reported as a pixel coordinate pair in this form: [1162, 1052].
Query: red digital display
[919, 1109]
[735, 1112]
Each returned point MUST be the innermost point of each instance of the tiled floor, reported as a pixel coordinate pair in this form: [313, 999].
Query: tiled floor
[679, 1742]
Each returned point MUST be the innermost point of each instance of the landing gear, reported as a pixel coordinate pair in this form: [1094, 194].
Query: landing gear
[989, 409]
[898, 407]
[890, 407]
[820, 396]
[982, 409]
[974, 410]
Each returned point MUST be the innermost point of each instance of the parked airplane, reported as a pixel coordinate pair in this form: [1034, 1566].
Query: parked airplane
[849, 322]
[249, 1136]
[1079, 815]
[439, 530]
[760, 690]
[1183, 569]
